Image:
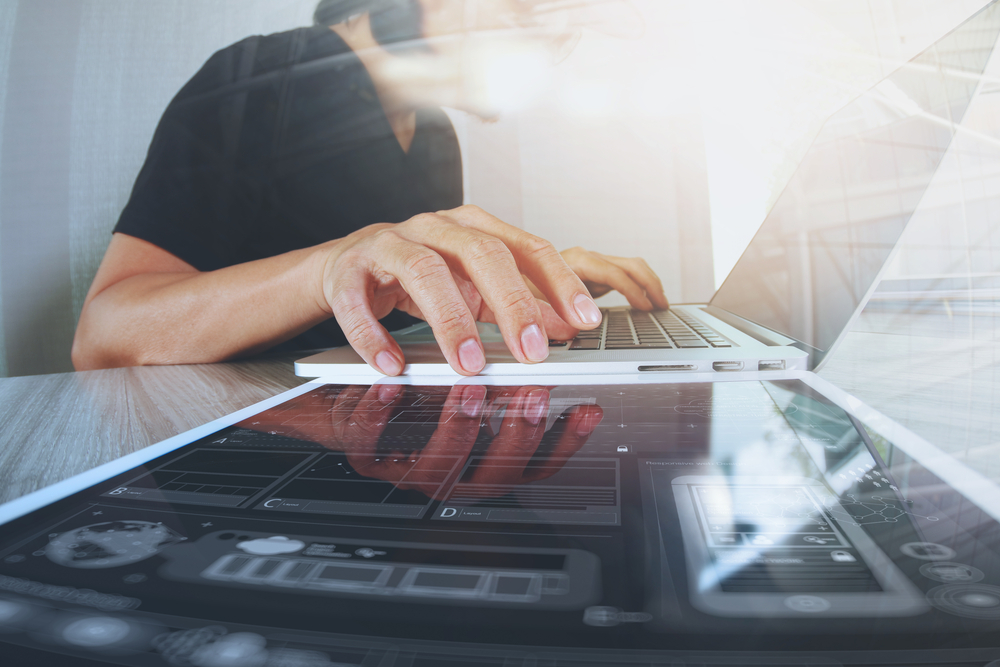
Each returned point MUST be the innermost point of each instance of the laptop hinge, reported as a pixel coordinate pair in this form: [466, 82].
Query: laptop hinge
[765, 336]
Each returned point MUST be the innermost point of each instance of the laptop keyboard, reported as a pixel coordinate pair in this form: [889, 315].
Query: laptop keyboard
[633, 329]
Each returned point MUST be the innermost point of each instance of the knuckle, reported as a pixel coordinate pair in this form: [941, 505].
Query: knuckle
[469, 216]
[537, 248]
[382, 238]
[423, 263]
[346, 308]
[465, 210]
[520, 301]
[453, 317]
[424, 221]
[359, 332]
[487, 249]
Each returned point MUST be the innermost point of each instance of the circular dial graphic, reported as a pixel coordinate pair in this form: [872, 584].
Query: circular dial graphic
[109, 544]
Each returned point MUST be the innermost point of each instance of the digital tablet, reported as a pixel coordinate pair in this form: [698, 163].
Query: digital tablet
[603, 520]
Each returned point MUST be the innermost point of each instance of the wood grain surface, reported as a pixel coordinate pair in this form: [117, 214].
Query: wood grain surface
[55, 426]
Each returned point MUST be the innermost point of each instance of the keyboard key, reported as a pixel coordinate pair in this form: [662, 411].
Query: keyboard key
[635, 330]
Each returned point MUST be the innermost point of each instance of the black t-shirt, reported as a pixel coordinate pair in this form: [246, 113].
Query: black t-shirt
[279, 143]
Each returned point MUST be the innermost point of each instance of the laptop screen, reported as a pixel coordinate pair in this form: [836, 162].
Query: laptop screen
[818, 253]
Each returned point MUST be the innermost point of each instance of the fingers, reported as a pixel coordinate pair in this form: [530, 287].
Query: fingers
[640, 272]
[487, 262]
[517, 440]
[632, 277]
[541, 262]
[571, 431]
[361, 431]
[416, 263]
[340, 414]
[426, 278]
[556, 327]
[349, 295]
[458, 427]
[297, 421]
[454, 436]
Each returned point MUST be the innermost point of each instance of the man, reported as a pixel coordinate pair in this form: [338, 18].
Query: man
[287, 201]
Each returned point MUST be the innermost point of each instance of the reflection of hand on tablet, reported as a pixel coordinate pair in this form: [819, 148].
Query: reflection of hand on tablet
[465, 408]
[522, 432]
[455, 435]
[358, 416]
[359, 419]
[505, 462]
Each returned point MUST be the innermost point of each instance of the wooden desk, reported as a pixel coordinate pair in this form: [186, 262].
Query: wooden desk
[937, 375]
[55, 426]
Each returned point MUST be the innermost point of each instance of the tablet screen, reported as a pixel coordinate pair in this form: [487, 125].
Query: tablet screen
[424, 525]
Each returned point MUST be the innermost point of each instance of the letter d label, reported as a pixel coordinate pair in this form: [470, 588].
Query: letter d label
[448, 512]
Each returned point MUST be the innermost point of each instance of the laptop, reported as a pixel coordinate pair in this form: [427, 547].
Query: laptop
[811, 266]
[573, 520]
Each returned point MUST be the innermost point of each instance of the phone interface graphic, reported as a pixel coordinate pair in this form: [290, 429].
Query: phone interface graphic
[772, 547]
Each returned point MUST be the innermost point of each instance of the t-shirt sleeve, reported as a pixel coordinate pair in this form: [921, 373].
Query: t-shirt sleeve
[192, 198]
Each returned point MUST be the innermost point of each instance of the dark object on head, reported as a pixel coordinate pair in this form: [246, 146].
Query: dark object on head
[392, 21]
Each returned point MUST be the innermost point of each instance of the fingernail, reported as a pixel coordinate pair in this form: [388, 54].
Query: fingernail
[535, 406]
[586, 309]
[470, 356]
[473, 400]
[533, 343]
[388, 363]
[387, 393]
[588, 422]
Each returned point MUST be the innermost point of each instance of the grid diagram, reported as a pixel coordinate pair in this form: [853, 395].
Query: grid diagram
[211, 477]
[393, 486]
[508, 489]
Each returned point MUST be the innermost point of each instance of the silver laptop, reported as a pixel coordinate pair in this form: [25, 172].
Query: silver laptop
[813, 263]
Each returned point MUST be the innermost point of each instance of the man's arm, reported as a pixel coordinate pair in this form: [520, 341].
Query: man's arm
[147, 306]
[452, 268]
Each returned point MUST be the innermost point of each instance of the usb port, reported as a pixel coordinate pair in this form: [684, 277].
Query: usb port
[723, 366]
[772, 365]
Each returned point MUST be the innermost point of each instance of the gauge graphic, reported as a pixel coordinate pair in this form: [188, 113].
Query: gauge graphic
[110, 544]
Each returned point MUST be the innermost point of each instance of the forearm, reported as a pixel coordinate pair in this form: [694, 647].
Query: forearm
[202, 317]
